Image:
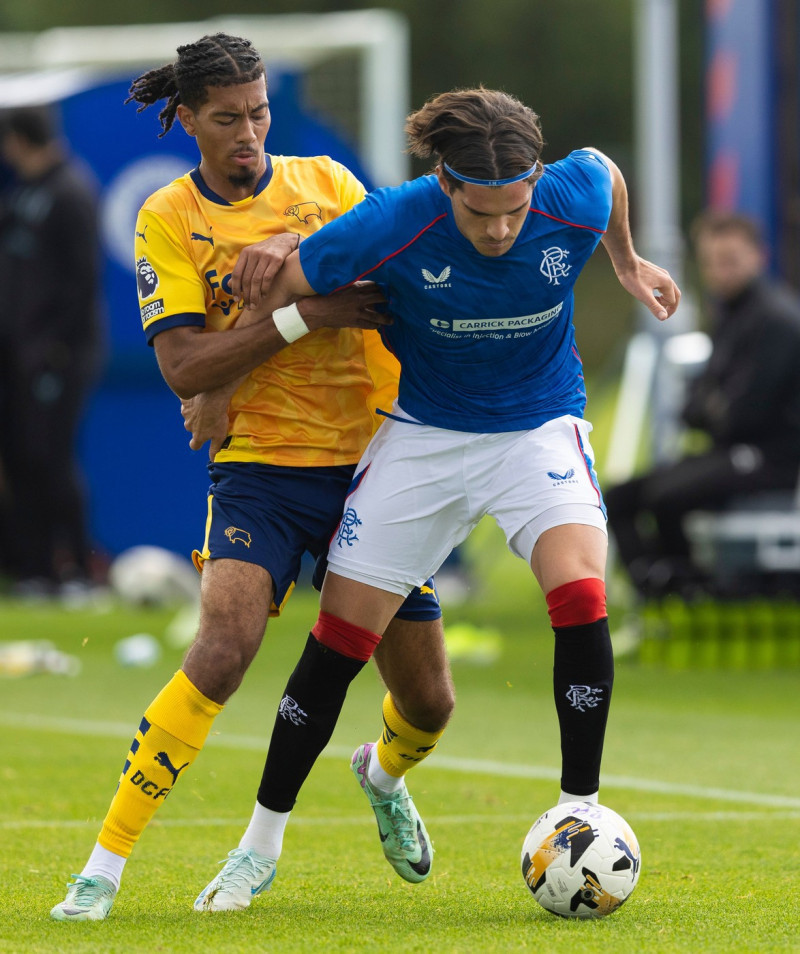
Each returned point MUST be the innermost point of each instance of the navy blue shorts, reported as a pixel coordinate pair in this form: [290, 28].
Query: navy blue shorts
[271, 516]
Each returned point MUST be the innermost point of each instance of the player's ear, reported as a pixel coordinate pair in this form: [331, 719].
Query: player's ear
[186, 118]
[443, 183]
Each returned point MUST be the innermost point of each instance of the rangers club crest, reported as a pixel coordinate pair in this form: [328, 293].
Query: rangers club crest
[554, 264]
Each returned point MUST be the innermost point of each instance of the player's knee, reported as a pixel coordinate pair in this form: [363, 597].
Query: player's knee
[428, 708]
[218, 660]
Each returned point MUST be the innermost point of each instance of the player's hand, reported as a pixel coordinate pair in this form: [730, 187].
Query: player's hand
[258, 264]
[352, 307]
[653, 286]
[205, 416]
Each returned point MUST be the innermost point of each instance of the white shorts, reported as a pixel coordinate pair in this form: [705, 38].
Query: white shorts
[420, 490]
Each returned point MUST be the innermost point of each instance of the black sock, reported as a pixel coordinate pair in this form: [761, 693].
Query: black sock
[307, 715]
[583, 677]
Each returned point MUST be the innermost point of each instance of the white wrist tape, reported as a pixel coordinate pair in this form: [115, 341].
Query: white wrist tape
[289, 323]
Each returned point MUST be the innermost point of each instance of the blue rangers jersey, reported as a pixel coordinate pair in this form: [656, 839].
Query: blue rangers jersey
[485, 344]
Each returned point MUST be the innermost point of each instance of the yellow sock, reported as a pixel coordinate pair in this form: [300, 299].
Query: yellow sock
[170, 735]
[402, 745]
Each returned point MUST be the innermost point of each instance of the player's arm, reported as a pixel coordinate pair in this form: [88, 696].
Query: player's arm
[650, 284]
[193, 361]
[257, 266]
[289, 285]
[205, 416]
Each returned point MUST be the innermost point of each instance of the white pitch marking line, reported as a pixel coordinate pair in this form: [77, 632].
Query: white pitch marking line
[89, 727]
[365, 820]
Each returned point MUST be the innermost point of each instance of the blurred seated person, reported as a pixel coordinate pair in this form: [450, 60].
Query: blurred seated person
[50, 336]
[746, 400]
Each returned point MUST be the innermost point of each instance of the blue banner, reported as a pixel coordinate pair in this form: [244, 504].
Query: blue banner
[740, 136]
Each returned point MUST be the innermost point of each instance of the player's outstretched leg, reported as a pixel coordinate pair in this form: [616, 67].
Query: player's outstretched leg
[583, 678]
[170, 735]
[380, 769]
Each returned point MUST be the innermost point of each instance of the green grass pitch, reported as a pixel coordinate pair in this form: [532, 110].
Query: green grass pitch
[703, 764]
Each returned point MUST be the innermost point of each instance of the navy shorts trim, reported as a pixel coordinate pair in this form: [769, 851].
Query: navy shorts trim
[422, 603]
[271, 515]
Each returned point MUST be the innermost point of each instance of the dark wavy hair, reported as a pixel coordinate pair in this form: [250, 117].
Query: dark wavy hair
[482, 133]
[218, 60]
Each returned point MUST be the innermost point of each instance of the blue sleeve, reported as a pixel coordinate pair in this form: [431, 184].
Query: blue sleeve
[577, 189]
[351, 247]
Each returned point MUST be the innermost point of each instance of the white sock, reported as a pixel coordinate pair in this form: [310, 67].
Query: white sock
[591, 799]
[265, 832]
[379, 780]
[106, 863]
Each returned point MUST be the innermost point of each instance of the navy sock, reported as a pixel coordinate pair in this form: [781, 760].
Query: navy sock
[306, 718]
[583, 677]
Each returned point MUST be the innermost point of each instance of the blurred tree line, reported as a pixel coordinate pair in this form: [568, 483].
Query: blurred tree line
[571, 61]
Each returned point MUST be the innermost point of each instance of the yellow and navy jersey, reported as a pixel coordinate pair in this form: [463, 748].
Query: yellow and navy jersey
[311, 404]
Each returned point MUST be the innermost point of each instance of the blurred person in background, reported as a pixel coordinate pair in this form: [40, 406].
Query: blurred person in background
[745, 400]
[50, 348]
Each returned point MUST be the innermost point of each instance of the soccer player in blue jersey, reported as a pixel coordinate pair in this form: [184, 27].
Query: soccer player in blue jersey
[478, 261]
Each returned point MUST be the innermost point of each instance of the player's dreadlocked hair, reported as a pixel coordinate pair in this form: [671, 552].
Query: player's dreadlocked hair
[219, 60]
[483, 133]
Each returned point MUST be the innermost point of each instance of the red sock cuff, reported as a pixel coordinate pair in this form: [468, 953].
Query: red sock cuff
[345, 638]
[577, 603]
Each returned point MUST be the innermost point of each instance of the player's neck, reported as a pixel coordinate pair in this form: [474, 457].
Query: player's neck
[226, 188]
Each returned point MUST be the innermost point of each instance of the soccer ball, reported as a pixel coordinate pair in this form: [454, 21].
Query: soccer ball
[138, 651]
[581, 860]
[153, 576]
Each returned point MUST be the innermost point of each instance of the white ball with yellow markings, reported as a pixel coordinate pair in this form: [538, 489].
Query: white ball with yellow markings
[581, 860]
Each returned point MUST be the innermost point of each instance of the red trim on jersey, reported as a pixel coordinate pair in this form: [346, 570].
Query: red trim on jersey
[392, 255]
[345, 638]
[577, 603]
[574, 225]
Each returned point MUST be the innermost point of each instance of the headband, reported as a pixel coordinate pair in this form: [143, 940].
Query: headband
[492, 182]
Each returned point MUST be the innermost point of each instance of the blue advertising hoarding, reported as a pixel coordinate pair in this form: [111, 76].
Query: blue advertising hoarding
[740, 121]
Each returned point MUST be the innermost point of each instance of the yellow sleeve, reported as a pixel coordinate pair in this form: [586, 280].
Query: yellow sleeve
[350, 190]
[171, 290]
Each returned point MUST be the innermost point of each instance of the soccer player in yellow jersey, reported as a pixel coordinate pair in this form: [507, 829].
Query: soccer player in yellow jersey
[310, 375]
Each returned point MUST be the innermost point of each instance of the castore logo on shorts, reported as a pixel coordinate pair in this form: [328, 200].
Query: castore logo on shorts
[561, 479]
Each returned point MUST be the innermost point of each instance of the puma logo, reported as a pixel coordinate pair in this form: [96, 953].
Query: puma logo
[163, 759]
